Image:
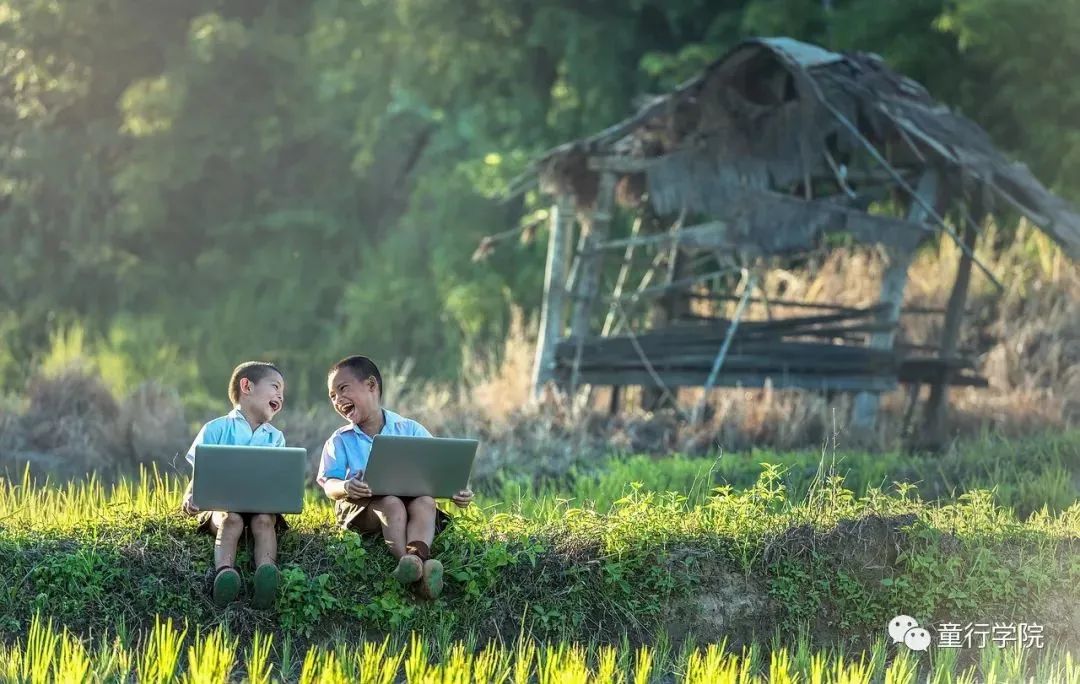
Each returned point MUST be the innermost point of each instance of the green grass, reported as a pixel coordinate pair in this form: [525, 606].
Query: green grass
[634, 558]
[1024, 475]
[171, 653]
[89, 557]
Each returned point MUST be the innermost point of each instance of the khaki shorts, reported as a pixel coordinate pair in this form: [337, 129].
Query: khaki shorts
[348, 514]
[203, 518]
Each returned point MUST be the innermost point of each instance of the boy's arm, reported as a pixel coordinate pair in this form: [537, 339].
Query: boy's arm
[331, 476]
[350, 490]
[205, 436]
[185, 504]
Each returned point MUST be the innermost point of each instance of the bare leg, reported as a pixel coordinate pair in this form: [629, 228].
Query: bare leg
[421, 524]
[421, 532]
[228, 527]
[391, 513]
[264, 534]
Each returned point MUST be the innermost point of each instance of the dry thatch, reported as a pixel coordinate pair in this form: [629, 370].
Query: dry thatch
[781, 142]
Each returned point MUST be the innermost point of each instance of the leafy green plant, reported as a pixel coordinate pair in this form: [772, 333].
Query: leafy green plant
[302, 600]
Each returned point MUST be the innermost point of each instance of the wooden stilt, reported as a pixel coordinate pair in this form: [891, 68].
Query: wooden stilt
[616, 396]
[937, 406]
[865, 409]
[551, 310]
[912, 399]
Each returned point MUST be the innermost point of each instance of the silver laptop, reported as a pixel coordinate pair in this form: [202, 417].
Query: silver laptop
[420, 466]
[249, 479]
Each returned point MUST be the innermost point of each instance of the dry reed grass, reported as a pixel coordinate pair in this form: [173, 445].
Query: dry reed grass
[70, 425]
[1026, 342]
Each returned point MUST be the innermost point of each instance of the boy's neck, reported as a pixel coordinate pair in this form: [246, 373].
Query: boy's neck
[247, 416]
[373, 425]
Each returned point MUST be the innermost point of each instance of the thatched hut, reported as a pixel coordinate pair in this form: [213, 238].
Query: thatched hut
[769, 151]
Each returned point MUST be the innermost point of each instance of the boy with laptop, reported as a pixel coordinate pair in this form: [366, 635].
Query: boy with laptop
[257, 393]
[408, 524]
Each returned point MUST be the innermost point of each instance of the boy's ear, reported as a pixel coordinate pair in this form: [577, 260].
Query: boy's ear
[245, 385]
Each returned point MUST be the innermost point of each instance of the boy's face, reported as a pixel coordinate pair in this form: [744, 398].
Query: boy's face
[353, 399]
[263, 399]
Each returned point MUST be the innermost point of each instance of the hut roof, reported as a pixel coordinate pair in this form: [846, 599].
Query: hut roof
[779, 138]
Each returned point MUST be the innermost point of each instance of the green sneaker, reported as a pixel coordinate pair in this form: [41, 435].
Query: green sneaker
[266, 584]
[226, 586]
[409, 569]
[432, 584]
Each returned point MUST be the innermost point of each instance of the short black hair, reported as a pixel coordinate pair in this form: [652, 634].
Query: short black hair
[250, 370]
[362, 367]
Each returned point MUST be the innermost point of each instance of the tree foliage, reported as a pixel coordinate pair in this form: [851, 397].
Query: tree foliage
[235, 179]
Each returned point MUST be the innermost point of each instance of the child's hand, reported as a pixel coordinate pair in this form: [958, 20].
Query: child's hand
[356, 489]
[187, 506]
[463, 498]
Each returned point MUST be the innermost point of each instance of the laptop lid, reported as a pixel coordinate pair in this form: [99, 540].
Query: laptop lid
[420, 466]
[249, 479]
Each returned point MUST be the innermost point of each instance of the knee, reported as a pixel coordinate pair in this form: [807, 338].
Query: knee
[422, 505]
[232, 524]
[392, 507]
[262, 523]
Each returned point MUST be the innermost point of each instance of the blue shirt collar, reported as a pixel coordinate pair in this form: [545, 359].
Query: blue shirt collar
[389, 418]
[237, 414]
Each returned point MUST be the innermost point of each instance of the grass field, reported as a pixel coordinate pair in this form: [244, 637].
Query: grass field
[636, 570]
[169, 652]
[1024, 475]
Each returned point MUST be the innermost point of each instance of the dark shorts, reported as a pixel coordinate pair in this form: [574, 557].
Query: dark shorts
[203, 518]
[348, 514]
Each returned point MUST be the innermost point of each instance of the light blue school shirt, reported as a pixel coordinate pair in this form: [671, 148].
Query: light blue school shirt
[234, 429]
[346, 452]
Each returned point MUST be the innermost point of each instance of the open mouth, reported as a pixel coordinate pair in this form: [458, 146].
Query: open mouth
[345, 409]
[275, 405]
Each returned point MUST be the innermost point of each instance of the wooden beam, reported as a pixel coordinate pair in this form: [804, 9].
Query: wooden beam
[937, 405]
[683, 378]
[620, 164]
[589, 275]
[768, 301]
[668, 287]
[752, 210]
[623, 164]
[865, 409]
[662, 238]
[551, 310]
